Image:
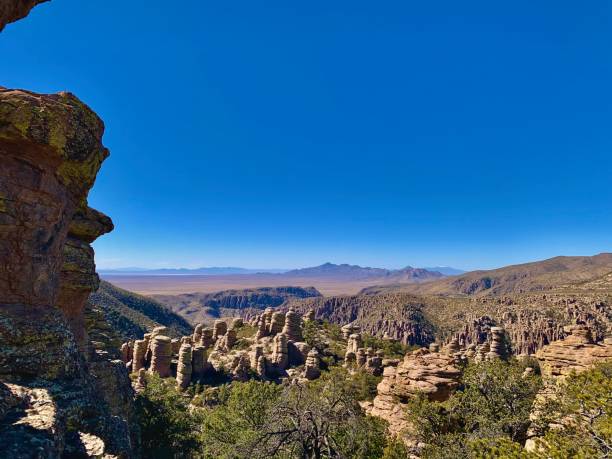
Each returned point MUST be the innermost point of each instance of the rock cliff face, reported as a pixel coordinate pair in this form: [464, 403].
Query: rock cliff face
[50, 153]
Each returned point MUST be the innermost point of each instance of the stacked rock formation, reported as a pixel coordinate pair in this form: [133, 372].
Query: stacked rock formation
[293, 326]
[199, 363]
[498, 348]
[219, 329]
[577, 352]
[161, 356]
[431, 373]
[354, 342]
[311, 368]
[184, 368]
[277, 322]
[374, 362]
[227, 341]
[138, 359]
[197, 333]
[280, 355]
[206, 339]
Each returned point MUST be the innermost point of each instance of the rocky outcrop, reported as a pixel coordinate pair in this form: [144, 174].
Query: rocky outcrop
[434, 374]
[577, 352]
[11, 11]
[51, 150]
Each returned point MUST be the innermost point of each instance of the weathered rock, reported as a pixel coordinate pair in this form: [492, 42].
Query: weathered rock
[354, 342]
[280, 356]
[240, 371]
[498, 348]
[293, 326]
[577, 352]
[138, 356]
[199, 362]
[348, 330]
[311, 368]
[237, 322]
[374, 364]
[227, 341]
[452, 347]
[431, 373]
[260, 369]
[276, 323]
[51, 150]
[361, 357]
[197, 333]
[219, 329]
[256, 352]
[161, 356]
[207, 339]
[184, 369]
[298, 352]
[262, 331]
[11, 11]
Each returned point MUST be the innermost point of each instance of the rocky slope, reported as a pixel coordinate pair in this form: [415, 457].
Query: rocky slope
[396, 315]
[543, 275]
[531, 320]
[206, 307]
[132, 315]
[61, 396]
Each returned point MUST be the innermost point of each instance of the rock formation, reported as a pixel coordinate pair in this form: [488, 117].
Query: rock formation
[577, 352]
[226, 342]
[431, 373]
[184, 369]
[498, 348]
[293, 326]
[353, 343]
[197, 333]
[219, 329]
[280, 354]
[311, 368]
[206, 339]
[277, 323]
[51, 151]
[161, 356]
[11, 11]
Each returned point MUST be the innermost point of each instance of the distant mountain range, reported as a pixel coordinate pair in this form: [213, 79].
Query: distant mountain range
[355, 272]
[326, 270]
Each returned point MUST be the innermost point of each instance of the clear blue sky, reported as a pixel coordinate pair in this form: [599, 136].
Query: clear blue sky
[286, 134]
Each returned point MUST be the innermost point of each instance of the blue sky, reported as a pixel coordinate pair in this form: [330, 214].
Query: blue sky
[286, 134]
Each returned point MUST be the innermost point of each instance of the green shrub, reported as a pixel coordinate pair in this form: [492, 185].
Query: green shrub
[168, 428]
